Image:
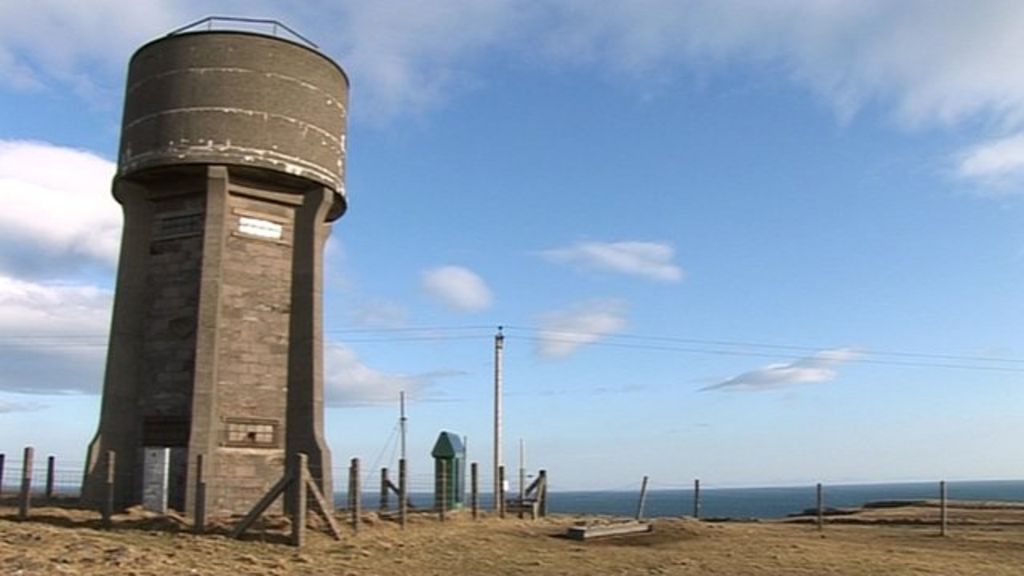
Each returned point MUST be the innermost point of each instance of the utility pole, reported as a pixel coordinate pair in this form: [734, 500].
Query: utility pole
[499, 348]
[401, 419]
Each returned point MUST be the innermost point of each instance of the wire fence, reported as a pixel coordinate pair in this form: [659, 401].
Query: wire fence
[63, 480]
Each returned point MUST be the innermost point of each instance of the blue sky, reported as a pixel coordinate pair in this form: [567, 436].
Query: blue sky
[755, 243]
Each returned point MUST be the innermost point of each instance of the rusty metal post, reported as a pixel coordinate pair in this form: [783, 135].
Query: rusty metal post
[25, 496]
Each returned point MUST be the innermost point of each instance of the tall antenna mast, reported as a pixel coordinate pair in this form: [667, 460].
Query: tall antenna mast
[499, 348]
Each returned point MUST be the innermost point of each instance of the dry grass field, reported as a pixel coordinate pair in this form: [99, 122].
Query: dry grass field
[889, 541]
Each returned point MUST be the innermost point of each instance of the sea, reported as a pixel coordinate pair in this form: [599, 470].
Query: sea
[744, 503]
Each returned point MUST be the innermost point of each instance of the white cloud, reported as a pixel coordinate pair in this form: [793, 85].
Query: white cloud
[458, 288]
[53, 40]
[58, 211]
[815, 369]
[997, 163]
[652, 260]
[566, 331]
[348, 381]
[53, 336]
[929, 61]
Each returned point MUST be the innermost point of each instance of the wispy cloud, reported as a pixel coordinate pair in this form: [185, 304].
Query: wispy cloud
[996, 164]
[820, 367]
[566, 331]
[651, 260]
[349, 381]
[7, 406]
[53, 336]
[458, 288]
[379, 313]
[58, 212]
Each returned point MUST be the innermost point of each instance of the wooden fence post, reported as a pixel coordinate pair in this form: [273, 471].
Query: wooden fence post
[821, 507]
[108, 496]
[643, 500]
[542, 493]
[25, 496]
[696, 498]
[51, 466]
[299, 474]
[199, 506]
[2, 459]
[474, 489]
[944, 517]
[384, 489]
[403, 492]
[356, 496]
[500, 496]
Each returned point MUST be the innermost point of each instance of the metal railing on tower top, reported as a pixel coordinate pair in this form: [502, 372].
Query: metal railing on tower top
[238, 23]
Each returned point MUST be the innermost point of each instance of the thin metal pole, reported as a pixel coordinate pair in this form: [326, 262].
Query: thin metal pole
[2, 459]
[499, 348]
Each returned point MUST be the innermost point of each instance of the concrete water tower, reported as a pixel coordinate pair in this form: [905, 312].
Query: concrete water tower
[230, 173]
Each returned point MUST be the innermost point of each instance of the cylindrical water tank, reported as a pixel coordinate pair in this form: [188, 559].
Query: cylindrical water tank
[240, 99]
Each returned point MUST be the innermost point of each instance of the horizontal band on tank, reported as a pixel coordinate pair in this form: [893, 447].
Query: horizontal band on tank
[333, 99]
[187, 35]
[231, 155]
[303, 125]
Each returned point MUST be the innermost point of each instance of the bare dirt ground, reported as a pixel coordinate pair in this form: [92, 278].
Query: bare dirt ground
[892, 540]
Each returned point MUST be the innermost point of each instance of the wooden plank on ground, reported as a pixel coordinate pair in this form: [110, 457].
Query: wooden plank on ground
[604, 530]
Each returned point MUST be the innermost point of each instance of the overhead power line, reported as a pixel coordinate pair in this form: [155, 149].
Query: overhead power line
[629, 341]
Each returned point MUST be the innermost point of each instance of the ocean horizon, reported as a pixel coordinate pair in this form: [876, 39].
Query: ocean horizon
[739, 503]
